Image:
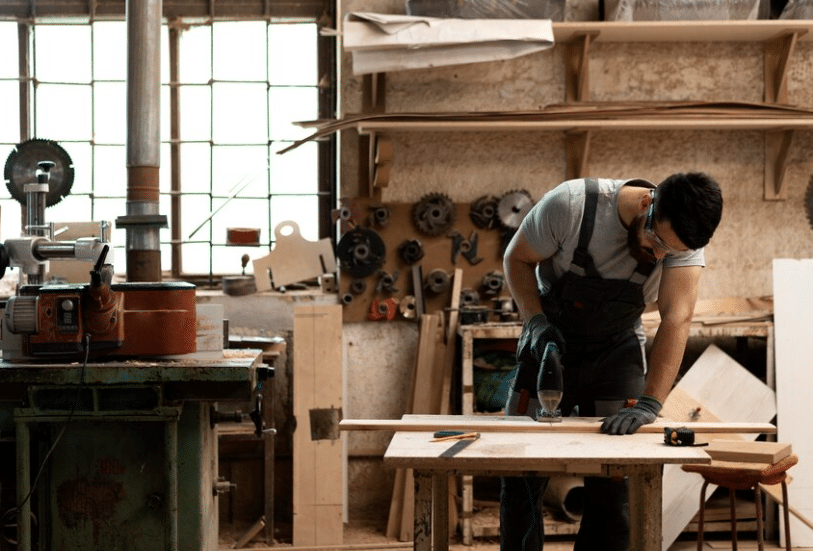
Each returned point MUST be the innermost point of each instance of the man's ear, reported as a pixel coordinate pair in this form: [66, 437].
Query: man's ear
[644, 203]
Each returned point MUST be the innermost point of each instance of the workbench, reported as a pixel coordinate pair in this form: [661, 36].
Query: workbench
[739, 326]
[136, 439]
[640, 457]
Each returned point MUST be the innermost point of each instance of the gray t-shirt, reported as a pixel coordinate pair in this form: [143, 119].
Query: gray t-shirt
[552, 229]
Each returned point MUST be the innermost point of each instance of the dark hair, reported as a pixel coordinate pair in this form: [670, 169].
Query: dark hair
[693, 204]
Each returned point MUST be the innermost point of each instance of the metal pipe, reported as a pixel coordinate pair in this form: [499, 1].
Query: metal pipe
[143, 137]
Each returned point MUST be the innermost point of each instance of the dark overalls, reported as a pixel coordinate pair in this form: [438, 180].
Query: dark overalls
[603, 367]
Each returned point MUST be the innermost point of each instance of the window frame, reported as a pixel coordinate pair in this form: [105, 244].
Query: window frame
[176, 15]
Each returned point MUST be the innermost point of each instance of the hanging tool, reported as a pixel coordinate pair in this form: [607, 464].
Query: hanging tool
[512, 208]
[433, 214]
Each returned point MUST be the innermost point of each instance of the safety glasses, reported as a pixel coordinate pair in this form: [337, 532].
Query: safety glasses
[650, 232]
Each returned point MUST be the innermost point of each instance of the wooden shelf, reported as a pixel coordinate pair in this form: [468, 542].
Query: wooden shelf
[507, 125]
[682, 31]
[779, 38]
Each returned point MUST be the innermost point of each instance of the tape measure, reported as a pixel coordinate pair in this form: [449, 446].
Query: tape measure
[680, 437]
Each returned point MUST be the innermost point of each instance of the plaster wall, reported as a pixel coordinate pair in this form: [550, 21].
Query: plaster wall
[467, 165]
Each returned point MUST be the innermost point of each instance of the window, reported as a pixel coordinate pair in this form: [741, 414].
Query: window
[242, 85]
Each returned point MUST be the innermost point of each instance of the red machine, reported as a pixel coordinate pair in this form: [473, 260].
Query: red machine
[122, 320]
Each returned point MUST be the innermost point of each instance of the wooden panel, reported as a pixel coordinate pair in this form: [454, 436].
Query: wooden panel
[722, 390]
[793, 311]
[317, 465]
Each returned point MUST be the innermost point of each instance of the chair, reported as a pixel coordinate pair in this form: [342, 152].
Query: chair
[744, 476]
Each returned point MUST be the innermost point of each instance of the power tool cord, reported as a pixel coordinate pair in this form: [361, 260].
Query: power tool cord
[11, 513]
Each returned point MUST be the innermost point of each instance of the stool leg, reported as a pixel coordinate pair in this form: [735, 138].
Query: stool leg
[733, 520]
[702, 515]
[786, 514]
[758, 502]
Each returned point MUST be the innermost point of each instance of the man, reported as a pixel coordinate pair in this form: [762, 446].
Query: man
[581, 268]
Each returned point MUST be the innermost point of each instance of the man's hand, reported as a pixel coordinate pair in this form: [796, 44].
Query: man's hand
[536, 333]
[629, 420]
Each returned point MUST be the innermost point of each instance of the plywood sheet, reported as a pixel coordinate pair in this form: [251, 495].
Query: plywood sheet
[793, 314]
[716, 388]
[317, 384]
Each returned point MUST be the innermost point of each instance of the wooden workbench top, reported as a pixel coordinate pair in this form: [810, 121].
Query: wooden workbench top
[544, 452]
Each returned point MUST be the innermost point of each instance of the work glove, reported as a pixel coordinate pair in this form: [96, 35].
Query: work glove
[536, 334]
[629, 420]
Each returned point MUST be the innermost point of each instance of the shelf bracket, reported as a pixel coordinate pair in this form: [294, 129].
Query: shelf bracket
[382, 161]
[777, 147]
[777, 52]
[577, 145]
[373, 100]
[577, 64]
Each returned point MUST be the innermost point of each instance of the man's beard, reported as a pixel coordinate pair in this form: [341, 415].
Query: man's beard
[644, 255]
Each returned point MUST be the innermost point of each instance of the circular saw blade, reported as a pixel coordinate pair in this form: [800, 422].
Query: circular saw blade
[512, 208]
[21, 169]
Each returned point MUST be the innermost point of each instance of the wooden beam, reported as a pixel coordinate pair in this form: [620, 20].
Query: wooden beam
[777, 148]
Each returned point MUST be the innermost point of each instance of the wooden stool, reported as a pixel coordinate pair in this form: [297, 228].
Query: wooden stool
[743, 476]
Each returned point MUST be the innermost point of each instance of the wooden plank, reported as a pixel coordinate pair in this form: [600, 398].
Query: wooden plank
[317, 465]
[715, 389]
[516, 424]
[793, 311]
[753, 452]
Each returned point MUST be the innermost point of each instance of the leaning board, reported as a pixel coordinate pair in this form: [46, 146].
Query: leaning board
[793, 320]
[317, 385]
[725, 391]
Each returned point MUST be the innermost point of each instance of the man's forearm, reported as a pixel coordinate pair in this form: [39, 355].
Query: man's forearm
[666, 356]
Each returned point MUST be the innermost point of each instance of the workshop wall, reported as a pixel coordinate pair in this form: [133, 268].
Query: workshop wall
[467, 165]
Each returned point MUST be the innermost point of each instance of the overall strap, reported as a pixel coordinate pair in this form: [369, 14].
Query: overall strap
[582, 263]
[642, 272]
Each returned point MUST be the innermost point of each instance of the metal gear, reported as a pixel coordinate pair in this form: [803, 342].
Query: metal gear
[360, 252]
[513, 206]
[21, 169]
[483, 212]
[411, 251]
[433, 214]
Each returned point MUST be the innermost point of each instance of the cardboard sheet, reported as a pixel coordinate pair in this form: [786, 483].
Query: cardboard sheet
[384, 42]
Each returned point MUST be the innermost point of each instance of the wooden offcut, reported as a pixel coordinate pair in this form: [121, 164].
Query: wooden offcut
[293, 259]
[317, 465]
[749, 452]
